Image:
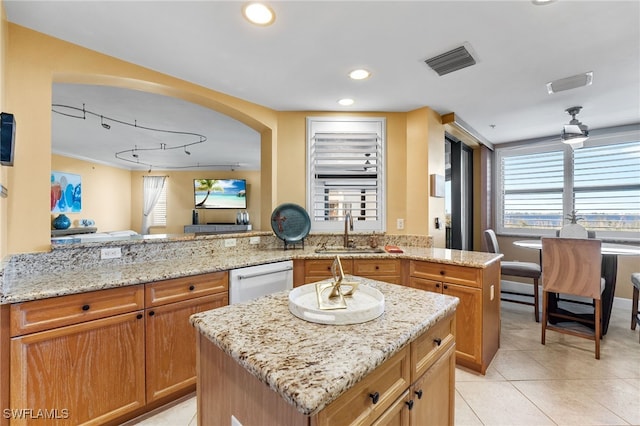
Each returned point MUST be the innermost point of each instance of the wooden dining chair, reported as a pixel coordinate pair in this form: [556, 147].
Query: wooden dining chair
[572, 266]
[514, 268]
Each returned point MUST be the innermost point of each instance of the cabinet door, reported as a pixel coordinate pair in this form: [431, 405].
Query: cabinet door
[171, 344]
[87, 373]
[434, 392]
[468, 322]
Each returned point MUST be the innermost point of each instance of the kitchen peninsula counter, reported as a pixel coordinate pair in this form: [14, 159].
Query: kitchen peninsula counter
[73, 274]
[310, 365]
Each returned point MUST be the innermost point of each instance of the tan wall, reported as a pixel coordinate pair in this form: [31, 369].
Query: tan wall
[33, 62]
[4, 173]
[180, 199]
[106, 193]
[424, 156]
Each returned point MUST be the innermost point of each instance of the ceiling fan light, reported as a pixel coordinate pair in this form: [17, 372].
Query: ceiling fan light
[575, 133]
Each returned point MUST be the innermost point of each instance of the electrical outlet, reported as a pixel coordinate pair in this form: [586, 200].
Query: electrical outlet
[254, 240]
[230, 242]
[110, 253]
[400, 224]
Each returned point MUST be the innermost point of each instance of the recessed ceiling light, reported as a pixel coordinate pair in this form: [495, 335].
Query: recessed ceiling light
[259, 14]
[542, 2]
[346, 102]
[359, 74]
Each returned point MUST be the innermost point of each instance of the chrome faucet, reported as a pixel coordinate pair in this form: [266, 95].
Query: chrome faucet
[348, 225]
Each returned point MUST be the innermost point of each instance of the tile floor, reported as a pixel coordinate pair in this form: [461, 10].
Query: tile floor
[560, 383]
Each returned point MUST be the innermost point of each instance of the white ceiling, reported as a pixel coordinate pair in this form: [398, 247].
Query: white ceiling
[301, 62]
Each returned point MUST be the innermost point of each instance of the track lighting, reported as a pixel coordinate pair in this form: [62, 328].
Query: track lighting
[186, 152]
[105, 125]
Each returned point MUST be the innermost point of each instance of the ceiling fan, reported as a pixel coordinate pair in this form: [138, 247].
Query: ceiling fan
[574, 133]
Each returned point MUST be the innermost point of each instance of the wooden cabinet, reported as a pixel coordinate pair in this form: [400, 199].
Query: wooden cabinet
[170, 338]
[478, 314]
[312, 270]
[105, 356]
[414, 387]
[87, 372]
[372, 396]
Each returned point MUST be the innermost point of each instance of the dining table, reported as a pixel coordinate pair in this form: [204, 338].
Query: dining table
[610, 253]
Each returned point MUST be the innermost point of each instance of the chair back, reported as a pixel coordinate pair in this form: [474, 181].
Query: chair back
[492, 241]
[571, 266]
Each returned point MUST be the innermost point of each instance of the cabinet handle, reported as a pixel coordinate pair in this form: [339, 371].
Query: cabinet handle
[438, 285]
[192, 287]
[374, 397]
[86, 307]
[445, 286]
[441, 272]
[410, 404]
[139, 316]
[151, 313]
[377, 267]
[419, 393]
[437, 341]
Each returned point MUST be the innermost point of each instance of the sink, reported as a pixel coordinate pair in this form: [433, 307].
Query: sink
[347, 250]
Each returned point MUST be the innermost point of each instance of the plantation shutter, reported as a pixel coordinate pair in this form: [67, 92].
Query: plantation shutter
[345, 170]
[159, 212]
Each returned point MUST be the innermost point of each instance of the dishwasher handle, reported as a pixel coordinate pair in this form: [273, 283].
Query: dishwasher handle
[260, 274]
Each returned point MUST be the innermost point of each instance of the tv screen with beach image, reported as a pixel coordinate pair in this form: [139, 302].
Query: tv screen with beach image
[220, 193]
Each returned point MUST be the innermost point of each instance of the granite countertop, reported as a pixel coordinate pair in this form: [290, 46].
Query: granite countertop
[99, 275]
[309, 364]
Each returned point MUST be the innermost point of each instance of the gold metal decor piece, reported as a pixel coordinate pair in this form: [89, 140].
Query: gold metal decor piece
[335, 299]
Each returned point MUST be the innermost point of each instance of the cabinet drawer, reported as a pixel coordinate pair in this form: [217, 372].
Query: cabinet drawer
[178, 289]
[444, 272]
[356, 406]
[45, 314]
[427, 348]
[322, 267]
[425, 284]
[374, 267]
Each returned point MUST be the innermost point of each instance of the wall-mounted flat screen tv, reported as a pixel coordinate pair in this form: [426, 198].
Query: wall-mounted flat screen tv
[220, 193]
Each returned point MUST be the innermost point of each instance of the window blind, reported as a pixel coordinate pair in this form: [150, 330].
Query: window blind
[606, 186]
[532, 190]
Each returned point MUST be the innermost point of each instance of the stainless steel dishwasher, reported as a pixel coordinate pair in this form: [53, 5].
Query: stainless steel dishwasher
[254, 281]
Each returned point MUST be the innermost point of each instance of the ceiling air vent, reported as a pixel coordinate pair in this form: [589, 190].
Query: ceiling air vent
[451, 61]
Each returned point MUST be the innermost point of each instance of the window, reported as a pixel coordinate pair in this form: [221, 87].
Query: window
[345, 173]
[158, 216]
[539, 184]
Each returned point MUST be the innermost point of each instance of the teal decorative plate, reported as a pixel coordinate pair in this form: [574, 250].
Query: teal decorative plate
[290, 222]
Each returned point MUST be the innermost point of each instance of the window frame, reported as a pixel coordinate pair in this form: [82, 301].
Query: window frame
[600, 137]
[337, 125]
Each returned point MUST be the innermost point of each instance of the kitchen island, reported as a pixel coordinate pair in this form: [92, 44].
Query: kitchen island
[262, 365]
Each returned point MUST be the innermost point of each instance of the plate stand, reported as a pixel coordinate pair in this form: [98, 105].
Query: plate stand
[290, 245]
